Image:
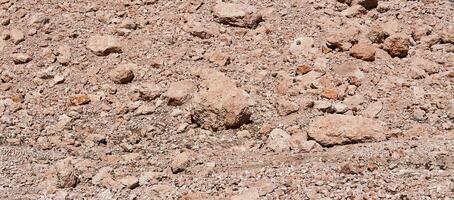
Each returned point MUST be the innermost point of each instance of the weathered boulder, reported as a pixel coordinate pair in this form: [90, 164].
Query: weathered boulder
[344, 129]
[219, 103]
[234, 14]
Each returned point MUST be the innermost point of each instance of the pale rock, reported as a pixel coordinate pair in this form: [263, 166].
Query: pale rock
[103, 45]
[344, 129]
[147, 91]
[353, 102]
[249, 194]
[354, 11]
[220, 103]
[180, 162]
[144, 109]
[372, 110]
[278, 140]
[103, 173]
[179, 92]
[67, 176]
[17, 36]
[349, 69]
[219, 58]
[419, 114]
[340, 108]
[304, 46]
[342, 39]
[234, 14]
[122, 74]
[201, 30]
[428, 66]
[363, 51]
[323, 105]
[21, 58]
[64, 54]
[128, 23]
[286, 107]
[130, 182]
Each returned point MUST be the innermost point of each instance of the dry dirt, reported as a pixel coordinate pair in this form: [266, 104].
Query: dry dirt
[239, 100]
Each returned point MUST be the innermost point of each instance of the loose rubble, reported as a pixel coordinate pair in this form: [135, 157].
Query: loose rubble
[194, 99]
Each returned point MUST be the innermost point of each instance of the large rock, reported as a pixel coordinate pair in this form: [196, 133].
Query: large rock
[103, 45]
[344, 129]
[397, 45]
[219, 104]
[240, 15]
[279, 140]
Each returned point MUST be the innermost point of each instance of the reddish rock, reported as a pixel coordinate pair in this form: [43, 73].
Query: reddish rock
[397, 45]
[220, 103]
[363, 51]
[103, 45]
[80, 99]
[122, 74]
[344, 129]
[234, 14]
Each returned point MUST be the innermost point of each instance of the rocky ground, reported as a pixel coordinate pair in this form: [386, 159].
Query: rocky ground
[240, 100]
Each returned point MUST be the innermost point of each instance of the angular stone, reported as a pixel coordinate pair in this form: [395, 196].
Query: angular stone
[17, 36]
[363, 51]
[180, 162]
[220, 103]
[122, 74]
[179, 92]
[234, 14]
[397, 45]
[285, 107]
[21, 58]
[103, 45]
[345, 129]
[278, 140]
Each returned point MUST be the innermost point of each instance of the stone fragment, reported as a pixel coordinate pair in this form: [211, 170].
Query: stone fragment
[201, 30]
[219, 103]
[286, 107]
[180, 162]
[323, 105]
[373, 109]
[130, 182]
[179, 92]
[340, 108]
[21, 58]
[278, 140]
[103, 45]
[122, 74]
[363, 51]
[353, 11]
[128, 23]
[337, 129]
[103, 173]
[219, 58]
[64, 55]
[234, 14]
[397, 45]
[303, 69]
[342, 39]
[80, 99]
[17, 36]
[376, 34]
[66, 174]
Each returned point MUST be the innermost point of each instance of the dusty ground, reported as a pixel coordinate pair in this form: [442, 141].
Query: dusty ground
[198, 99]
